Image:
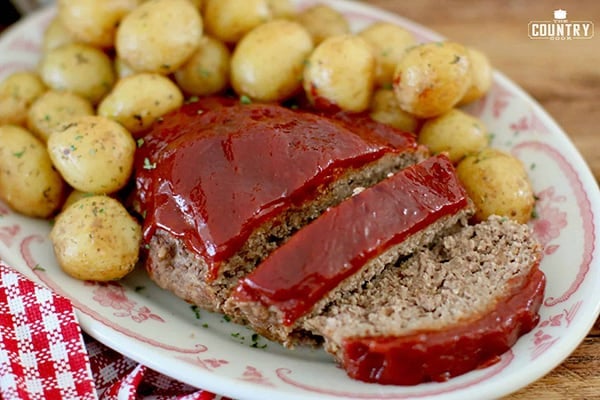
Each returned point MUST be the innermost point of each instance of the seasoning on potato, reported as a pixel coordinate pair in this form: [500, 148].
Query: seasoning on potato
[268, 63]
[94, 22]
[78, 68]
[28, 182]
[498, 184]
[340, 74]
[322, 22]
[456, 133]
[389, 42]
[93, 153]
[96, 239]
[159, 35]
[137, 101]
[384, 108]
[17, 92]
[52, 108]
[432, 78]
[230, 20]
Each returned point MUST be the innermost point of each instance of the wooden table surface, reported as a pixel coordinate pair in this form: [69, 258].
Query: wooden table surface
[564, 76]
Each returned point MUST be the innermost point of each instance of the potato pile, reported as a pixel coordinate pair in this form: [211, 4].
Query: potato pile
[110, 69]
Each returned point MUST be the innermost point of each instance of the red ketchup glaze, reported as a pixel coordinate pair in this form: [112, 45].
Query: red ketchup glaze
[335, 246]
[218, 172]
[439, 355]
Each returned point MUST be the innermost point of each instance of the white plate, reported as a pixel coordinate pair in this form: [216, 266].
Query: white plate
[162, 332]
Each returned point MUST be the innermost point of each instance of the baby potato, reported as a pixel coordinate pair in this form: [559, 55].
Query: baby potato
[323, 21]
[17, 92]
[230, 20]
[73, 197]
[431, 78]
[456, 133]
[28, 182]
[93, 154]
[206, 72]
[78, 68]
[268, 62]
[56, 35]
[159, 35]
[281, 8]
[138, 100]
[95, 239]
[385, 109]
[52, 108]
[340, 73]
[481, 76]
[389, 42]
[498, 184]
[94, 22]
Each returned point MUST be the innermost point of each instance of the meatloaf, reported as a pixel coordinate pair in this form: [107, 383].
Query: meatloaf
[223, 184]
[445, 311]
[348, 245]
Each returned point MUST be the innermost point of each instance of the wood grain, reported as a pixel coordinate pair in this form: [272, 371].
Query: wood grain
[564, 77]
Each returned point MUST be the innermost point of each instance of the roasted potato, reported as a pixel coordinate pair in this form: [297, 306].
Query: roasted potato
[52, 108]
[230, 20]
[78, 68]
[340, 74]
[94, 22]
[28, 182]
[389, 42]
[95, 239]
[498, 184]
[206, 72]
[323, 21]
[137, 101]
[159, 35]
[56, 35]
[281, 8]
[456, 133]
[17, 92]
[93, 153]
[432, 78]
[267, 64]
[385, 109]
[481, 76]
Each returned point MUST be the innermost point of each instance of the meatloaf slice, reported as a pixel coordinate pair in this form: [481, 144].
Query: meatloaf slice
[222, 187]
[443, 312]
[348, 245]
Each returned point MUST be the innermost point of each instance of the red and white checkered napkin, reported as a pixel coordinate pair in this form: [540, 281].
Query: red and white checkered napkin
[43, 354]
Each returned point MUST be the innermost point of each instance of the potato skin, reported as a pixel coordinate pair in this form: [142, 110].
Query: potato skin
[481, 76]
[93, 154]
[17, 92]
[498, 184]
[79, 68]
[456, 133]
[96, 239]
[206, 72]
[159, 35]
[389, 42]
[340, 74]
[51, 109]
[322, 22]
[56, 35]
[230, 20]
[268, 63]
[28, 182]
[137, 101]
[385, 109]
[432, 78]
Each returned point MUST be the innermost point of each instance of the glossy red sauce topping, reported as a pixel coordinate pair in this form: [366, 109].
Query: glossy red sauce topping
[215, 170]
[439, 355]
[336, 245]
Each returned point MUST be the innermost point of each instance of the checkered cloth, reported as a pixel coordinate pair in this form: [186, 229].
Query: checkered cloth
[44, 355]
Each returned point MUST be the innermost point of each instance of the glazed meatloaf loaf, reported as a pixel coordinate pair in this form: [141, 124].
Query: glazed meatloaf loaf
[222, 184]
[348, 245]
[445, 311]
